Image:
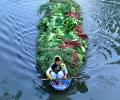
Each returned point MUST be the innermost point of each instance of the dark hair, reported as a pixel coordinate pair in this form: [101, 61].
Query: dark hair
[57, 59]
[53, 66]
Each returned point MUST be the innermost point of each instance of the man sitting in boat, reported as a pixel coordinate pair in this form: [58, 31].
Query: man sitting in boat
[57, 69]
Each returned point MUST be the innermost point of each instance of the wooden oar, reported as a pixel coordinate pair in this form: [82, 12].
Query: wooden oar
[82, 77]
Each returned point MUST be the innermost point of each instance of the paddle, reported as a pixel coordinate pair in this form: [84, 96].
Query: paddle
[82, 77]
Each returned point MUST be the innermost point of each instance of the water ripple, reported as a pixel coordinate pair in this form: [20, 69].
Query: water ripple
[18, 35]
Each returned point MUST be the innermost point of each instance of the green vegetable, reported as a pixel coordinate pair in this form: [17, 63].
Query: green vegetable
[55, 27]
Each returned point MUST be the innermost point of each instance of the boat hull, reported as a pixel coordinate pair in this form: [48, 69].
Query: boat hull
[62, 85]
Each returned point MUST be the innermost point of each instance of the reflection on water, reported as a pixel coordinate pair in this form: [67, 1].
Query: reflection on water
[7, 96]
[18, 33]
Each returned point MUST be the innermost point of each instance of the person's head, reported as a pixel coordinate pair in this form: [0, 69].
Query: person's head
[57, 60]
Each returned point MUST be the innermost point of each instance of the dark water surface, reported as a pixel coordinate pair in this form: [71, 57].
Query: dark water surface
[18, 20]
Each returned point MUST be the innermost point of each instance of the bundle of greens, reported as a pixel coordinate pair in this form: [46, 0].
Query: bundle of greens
[61, 33]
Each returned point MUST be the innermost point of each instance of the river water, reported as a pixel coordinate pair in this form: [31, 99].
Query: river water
[18, 33]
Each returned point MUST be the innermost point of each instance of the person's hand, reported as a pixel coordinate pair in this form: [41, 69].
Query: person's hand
[64, 77]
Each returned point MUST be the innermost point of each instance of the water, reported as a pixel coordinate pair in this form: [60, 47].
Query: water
[18, 33]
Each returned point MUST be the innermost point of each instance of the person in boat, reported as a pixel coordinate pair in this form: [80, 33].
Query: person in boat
[57, 69]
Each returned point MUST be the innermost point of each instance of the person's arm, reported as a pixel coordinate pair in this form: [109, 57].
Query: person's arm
[48, 72]
[65, 70]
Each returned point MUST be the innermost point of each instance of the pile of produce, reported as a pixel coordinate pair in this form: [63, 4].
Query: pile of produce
[61, 33]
